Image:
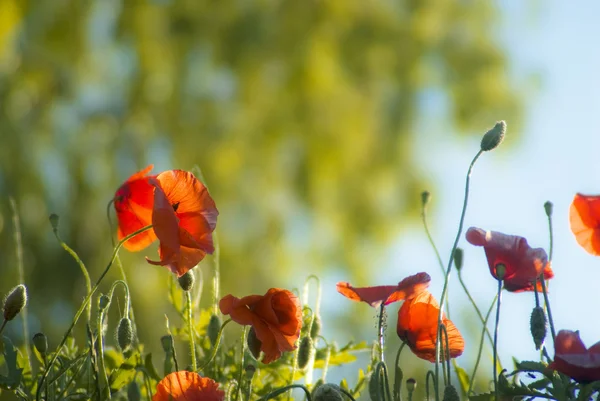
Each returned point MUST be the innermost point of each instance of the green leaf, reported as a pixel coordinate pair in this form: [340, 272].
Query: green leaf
[483, 397]
[540, 384]
[532, 366]
[10, 358]
[150, 369]
[463, 378]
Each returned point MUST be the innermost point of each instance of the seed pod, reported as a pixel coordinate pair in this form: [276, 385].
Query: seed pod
[133, 392]
[493, 137]
[450, 394]
[500, 271]
[186, 282]
[328, 392]
[315, 329]
[537, 324]
[103, 302]
[254, 343]
[40, 342]
[411, 385]
[214, 326]
[14, 302]
[305, 351]
[125, 334]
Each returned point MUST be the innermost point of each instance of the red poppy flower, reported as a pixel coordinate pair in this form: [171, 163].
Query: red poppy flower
[417, 327]
[584, 216]
[133, 203]
[184, 217]
[573, 359]
[187, 386]
[523, 264]
[275, 316]
[374, 296]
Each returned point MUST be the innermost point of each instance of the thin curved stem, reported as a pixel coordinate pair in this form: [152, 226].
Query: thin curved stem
[398, 375]
[449, 267]
[487, 316]
[282, 390]
[433, 379]
[499, 301]
[84, 305]
[190, 323]
[238, 393]
[216, 346]
[104, 387]
[547, 303]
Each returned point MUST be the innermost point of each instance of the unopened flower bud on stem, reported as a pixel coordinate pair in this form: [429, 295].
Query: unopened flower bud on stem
[14, 302]
[40, 342]
[186, 282]
[493, 137]
[538, 326]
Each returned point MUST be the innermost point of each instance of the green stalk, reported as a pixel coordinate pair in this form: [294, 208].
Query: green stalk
[449, 269]
[190, 322]
[483, 331]
[499, 301]
[83, 306]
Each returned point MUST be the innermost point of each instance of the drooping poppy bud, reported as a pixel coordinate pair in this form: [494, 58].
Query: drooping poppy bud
[103, 302]
[54, 220]
[538, 326]
[493, 137]
[425, 197]
[548, 208]
[305, 351]
[411, 385]
[458, 258]
[315, 329]
[254, 343]
[214, 326]
[40, 342]
[450, 394]
[14, 302]
[133, 392]
[328, 392]
[125, 334]
[186, 281]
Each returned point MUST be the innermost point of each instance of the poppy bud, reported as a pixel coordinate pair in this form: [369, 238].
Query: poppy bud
[500, 271]
[305, 351]
[167, 343]
[458, 258]
[250, 371]
[548, 207]
[315, 329]
[425, 196]
[328, 392]
[133, 392]
[450, 394]
[54, 220]
[374, 387]
[124, 334]
[411, 385]
[186, 282]
[538, 326]
[103, 302]
[40, 342]
[14, 302]
[254, 343]
[493, 137]
[214, 326]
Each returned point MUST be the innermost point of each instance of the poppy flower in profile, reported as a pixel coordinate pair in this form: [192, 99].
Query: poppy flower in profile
[276, 318]
[133, 204]
[417, 327]
[573, 359]
[522, 263]
[183, 217]
[186, 386]
[374, 296]
[584, 216]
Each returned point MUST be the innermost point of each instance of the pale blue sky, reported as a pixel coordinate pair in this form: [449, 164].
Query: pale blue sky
[557, 155]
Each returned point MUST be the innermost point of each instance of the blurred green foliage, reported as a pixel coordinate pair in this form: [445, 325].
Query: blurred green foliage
[300, 114]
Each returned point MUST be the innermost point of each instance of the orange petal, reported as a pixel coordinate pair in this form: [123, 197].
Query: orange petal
[374, 296]
[410, 287]
[584, 217]
[185, 386]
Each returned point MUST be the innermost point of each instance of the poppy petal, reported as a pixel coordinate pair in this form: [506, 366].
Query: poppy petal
[410, 287]
[584, 218]
[374, 296]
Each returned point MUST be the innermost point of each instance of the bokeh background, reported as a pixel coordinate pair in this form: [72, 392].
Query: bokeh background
[316, 125]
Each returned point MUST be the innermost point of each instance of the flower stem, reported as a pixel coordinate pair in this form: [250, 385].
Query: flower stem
[217, 273]
[449, 269]
[83, 306]
[380, 330]
[215, 347]
[238, 393]
[499, 301]
[398, 376]
[104, 387]
[483, 331]
[190, 323]
[547, 303]
[3, 325]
